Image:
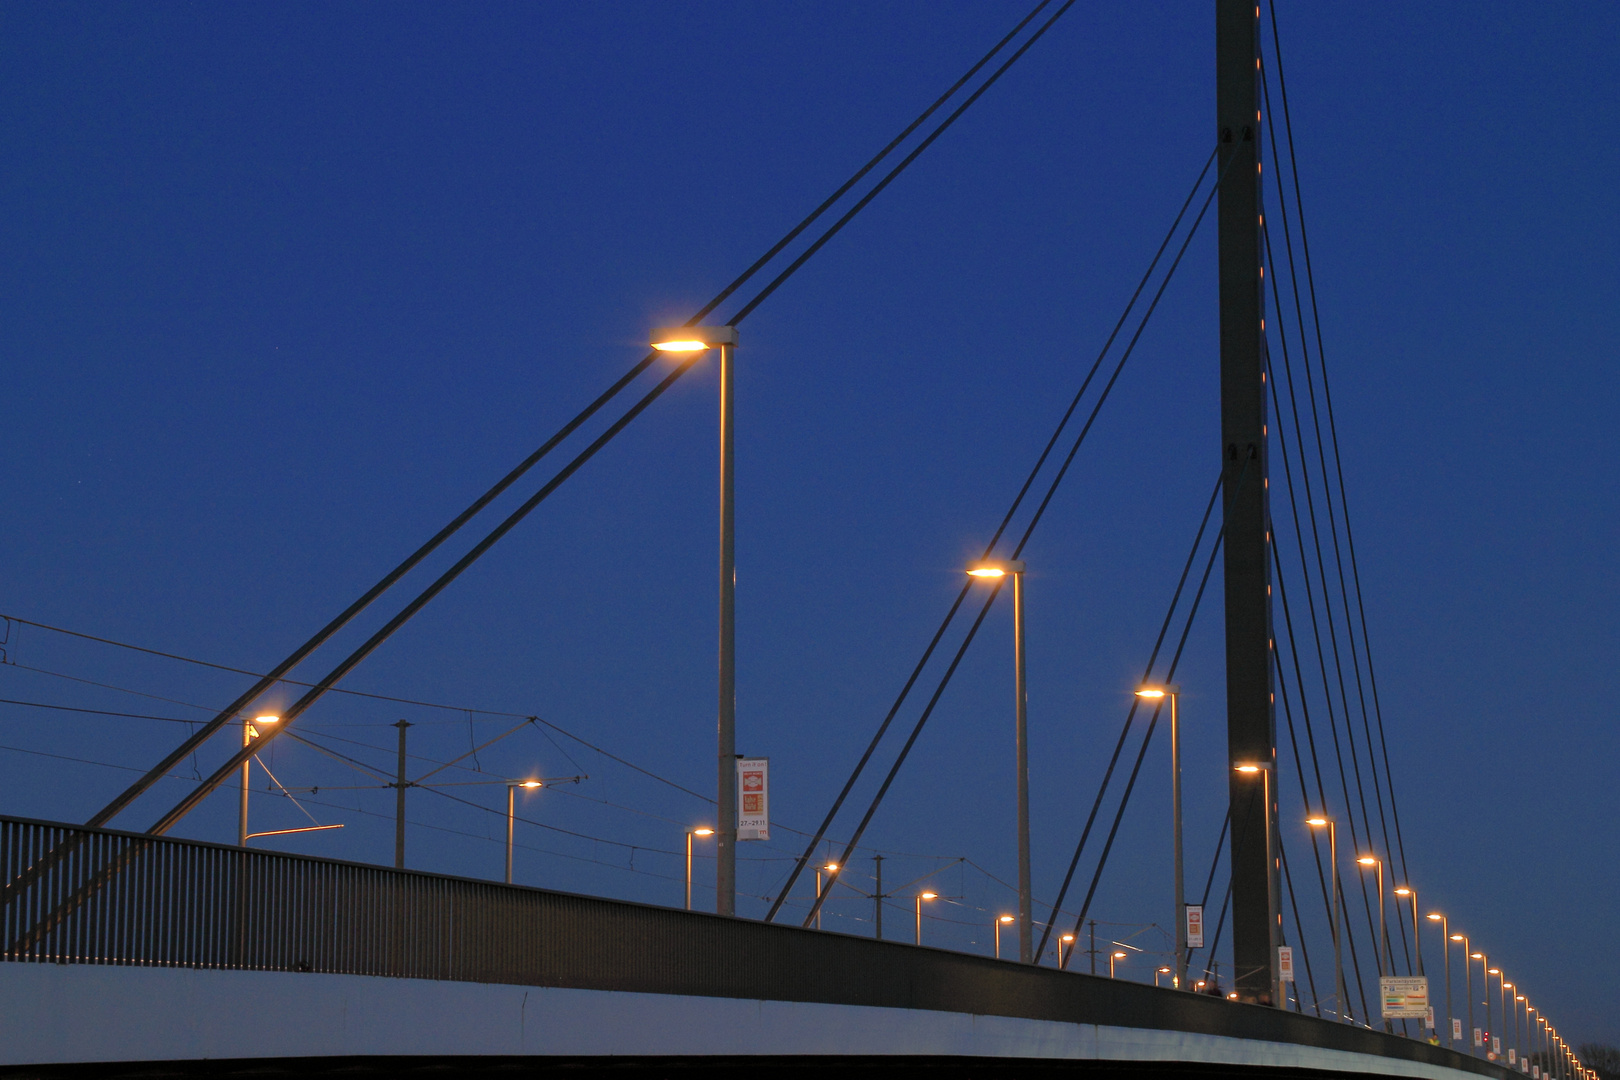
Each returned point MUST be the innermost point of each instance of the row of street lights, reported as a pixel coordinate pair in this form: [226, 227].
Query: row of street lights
[694, 339]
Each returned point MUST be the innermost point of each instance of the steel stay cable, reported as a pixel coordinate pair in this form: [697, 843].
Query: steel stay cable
[877, 188]
[314, 693]
[1333, 531]
[354, 609]
[1321, 357]
[1130, 716]
[1153, 723]
[1006, 520]
[1102, 399]
[1282, 592]
[323, 635]
[1321, 653]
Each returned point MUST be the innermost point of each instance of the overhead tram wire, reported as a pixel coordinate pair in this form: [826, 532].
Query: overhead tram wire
[320, 688]
[1153, 723]
[325, 634]
[1321, 355]
[1130, 715]
[1001, 529]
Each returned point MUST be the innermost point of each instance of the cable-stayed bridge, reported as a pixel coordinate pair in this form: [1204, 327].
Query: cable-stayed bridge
[136, 950]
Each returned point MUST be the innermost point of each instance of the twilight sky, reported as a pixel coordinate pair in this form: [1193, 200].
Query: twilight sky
[287, 286]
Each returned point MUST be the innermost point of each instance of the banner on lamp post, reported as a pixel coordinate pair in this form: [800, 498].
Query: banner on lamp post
[1195, 926]
[1285, 964]
[753, 799]
[1456, 1029]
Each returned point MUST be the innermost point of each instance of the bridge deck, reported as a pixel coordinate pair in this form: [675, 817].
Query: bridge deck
[130, 948]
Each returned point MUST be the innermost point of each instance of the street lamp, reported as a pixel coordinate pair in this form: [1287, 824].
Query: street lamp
[1501, 989]
[1066, 939]
[995, 571]
[831, 869]
[511, 817]
[1417, 938]
[1445, 948]
[1164, 971]
[695, 339]
[1484, 961]
[920, 898]
[1338, 957]
[701, 830]
[1001, 920]
[1512, 1051]
[1113, 958]
[1468, 987]
[1263, 768]
[249, 733]
[1159, 693]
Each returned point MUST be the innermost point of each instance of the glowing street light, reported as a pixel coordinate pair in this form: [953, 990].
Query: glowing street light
[1066, 939]
[1445, 948]
[1327, 823]
[1417, 938]
[920, 898]
[831, 869]
[1158, 693]
[249, 733]
[701, 830]
[1001, 920]
[1113, 958]
[1263, 769]
[995, 571]
[1164, 971]
[511, 817]
[694, 339]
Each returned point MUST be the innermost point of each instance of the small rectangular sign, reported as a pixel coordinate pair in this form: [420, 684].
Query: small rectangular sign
[1513, 1056]
[1428, 1019]
[1195, 926]
[1478, 1038]
[1456, 1029]
[1285, 964]
[1404, 996]
[1535, 1071]
[1496, 1044]
[753, 799]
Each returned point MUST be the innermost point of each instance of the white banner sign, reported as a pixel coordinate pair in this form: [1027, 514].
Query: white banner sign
[1285, 964]
[1478, 1040]
[1428, 1020]
[1456, 1029]
[1496, 1044]
[1513, 1056]
[1404, 996]
[753, 799]
[1195, 926]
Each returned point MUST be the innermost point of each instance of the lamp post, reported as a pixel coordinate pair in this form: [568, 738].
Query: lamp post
[249, 733]
[1164, 971]
[701, 830]
[1417, 939]
[1338, 957]
[1066, 939]
[831, 868]
[1113, 958]
[1484, 962]
[1510, 1048]
[1445, 949]
[993, 571]
[1468, 987]
[1250, 768]
[1502, 1016]
[1001, 920]
[920, 898]
[693, 339]
[1518, 1030]
[511, 817]
[1159, 693]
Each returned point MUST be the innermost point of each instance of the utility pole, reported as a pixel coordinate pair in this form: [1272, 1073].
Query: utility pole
[399, 801]
[1250, 726]
[1092, 951]
[877, 897]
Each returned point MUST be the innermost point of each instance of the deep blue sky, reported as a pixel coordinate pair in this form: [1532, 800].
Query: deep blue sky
[286, 286]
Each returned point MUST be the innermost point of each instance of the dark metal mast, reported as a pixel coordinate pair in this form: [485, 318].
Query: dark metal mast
[1250, 727]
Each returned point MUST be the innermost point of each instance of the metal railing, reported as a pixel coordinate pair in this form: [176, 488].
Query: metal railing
[76, 895]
